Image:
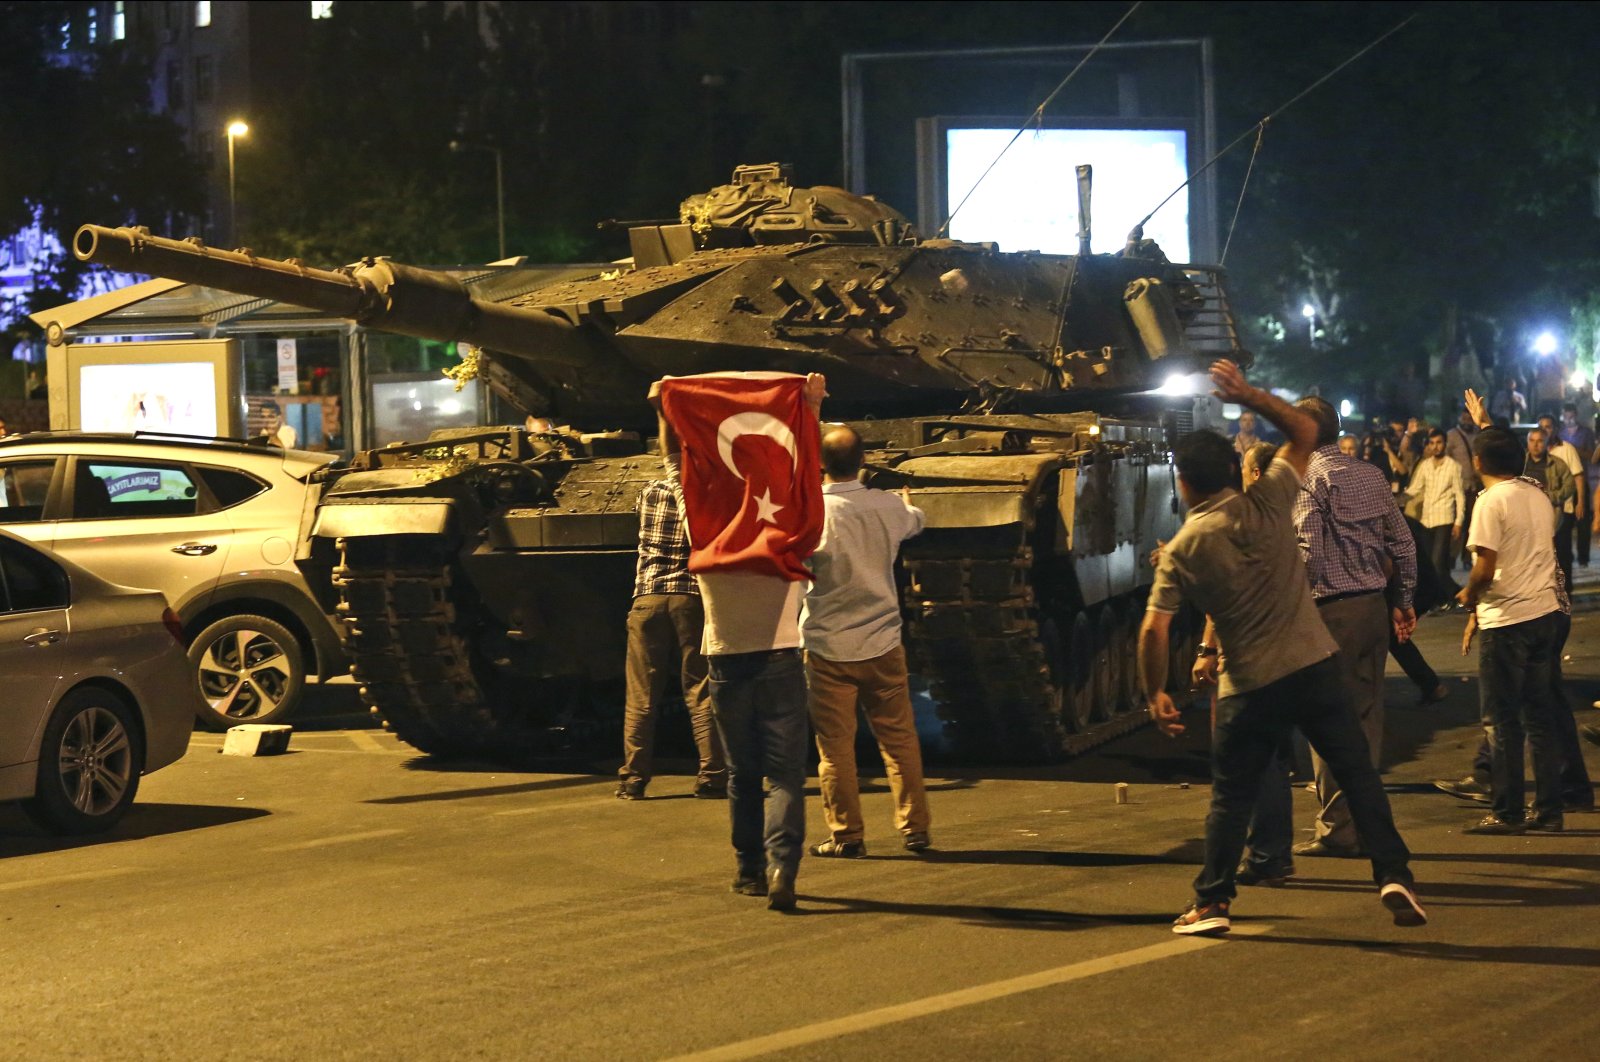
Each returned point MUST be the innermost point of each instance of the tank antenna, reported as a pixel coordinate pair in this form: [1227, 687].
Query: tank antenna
[1137, 233]
[1085, 185]
[1037, 117]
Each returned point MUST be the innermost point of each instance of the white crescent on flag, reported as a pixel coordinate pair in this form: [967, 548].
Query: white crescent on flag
[753, 423]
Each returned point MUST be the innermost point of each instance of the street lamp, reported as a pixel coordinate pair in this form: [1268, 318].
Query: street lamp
[236, 129]
[458, 146]
[1309, 312]
[1545, 344]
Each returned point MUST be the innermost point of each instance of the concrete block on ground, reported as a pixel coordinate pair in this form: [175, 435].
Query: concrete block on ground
[257, 739]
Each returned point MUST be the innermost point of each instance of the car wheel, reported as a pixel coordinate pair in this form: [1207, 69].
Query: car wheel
[89, 763]
[250, 669]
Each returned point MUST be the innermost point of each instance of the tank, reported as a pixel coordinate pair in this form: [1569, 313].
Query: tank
[482, 577]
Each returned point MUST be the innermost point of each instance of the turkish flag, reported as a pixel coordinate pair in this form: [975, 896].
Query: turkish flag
[751, 472]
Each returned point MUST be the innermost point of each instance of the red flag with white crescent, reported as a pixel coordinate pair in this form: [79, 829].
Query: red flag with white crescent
[752, 485]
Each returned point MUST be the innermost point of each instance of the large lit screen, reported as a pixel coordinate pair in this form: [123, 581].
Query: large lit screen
[1029, 201]
[179, 397]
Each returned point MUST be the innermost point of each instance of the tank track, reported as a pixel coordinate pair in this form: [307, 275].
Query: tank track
[411, 655]
[1002, 676]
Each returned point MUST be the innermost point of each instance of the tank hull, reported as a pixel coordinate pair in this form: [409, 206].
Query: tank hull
[496, 630]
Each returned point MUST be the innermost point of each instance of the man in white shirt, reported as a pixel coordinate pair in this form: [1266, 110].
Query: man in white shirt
[851, 627]
[1575, 510]
[1513, 589]
[1436, 482]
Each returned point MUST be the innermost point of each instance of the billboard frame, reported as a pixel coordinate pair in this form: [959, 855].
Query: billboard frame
[1203, 226]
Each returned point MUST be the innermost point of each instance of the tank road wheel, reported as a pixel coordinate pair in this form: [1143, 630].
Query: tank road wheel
[1081, 686]
[1178, 658]
[1109, 667]
[1129, 619]
[414, 654]
[1058, 671]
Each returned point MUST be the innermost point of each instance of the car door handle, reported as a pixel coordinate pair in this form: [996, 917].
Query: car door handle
[195, 549]
[42, 636]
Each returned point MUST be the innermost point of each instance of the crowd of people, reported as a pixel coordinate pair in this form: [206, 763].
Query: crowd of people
[1311, 560]
[1429, 470]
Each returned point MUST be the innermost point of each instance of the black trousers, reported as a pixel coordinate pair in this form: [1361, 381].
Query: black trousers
[1576, 786]
[1412, 662]
[1441, 557]
[1514, 684]
[1564, 546]
[1584, 529]
[1251, 727]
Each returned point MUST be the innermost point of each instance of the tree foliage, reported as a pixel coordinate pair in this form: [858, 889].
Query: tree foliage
[80, 140]
[1437, 197]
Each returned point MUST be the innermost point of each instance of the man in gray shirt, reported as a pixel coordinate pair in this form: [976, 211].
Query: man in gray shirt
[1236, 559]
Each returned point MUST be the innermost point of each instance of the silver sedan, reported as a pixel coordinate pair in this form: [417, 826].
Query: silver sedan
[97, 689]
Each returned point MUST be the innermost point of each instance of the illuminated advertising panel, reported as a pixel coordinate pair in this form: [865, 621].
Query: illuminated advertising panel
[178, 397]
[179, 387]
[1028, 201]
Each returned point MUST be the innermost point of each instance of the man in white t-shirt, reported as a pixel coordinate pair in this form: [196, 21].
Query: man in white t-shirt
[758, 696]
[1512, 586]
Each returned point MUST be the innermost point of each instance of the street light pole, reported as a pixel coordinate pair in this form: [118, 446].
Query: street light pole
[457, 147]
[236, 129]
[1309, 312]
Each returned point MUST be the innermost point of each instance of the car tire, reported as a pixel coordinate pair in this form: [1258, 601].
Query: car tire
[248, 669]
[89, 763]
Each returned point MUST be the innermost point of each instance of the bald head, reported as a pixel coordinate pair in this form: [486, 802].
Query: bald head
[841, 453]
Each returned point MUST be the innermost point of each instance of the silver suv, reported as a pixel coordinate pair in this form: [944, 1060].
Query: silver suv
[211, 524]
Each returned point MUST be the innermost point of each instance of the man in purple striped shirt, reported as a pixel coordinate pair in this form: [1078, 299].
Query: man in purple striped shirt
[1354, 539]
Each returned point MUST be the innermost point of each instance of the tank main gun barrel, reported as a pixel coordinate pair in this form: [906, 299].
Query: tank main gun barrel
[377, 293]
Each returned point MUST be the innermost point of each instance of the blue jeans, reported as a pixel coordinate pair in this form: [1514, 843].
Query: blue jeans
[759, 701]
[1251, 728]
[1515, 673]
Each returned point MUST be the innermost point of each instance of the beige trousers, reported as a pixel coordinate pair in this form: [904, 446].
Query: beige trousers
[834, 690]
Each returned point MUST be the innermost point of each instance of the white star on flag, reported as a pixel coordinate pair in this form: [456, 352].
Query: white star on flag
[765, 509]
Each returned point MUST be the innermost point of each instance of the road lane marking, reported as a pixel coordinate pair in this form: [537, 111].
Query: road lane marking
[965, 997]
[364, 741]
[532, 809]
[300, 747]
[342, 838]
[69, 879]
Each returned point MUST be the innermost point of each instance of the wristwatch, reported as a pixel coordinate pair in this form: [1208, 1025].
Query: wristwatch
[1207, 650]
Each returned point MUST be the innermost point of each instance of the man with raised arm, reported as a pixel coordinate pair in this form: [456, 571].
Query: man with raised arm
[1237, 560]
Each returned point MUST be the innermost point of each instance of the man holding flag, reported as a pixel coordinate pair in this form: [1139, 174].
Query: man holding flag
[752, 499]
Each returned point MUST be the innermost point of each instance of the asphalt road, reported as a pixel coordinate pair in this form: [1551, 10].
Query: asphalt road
[352, 899]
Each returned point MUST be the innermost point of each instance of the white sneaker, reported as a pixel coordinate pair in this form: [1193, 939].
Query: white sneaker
[1402, 903]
